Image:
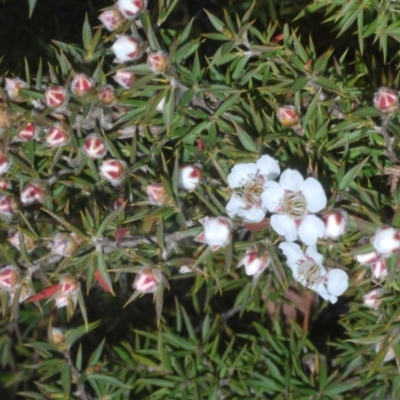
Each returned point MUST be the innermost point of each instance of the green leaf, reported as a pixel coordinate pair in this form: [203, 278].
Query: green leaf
[350, 175]
[86, 34]
[245, 139]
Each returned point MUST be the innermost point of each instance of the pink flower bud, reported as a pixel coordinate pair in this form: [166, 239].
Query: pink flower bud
[254, 262]
[58, 135]
[27, 132]
[113, 170]
[5, 163]
[288, 116]
[131, 8]
[127, 48]
[378, 269]
[371, 299]
[147, 280]
[368, 258]
[217, 232]
[386, 100]
[94, 146]
[157, 194]
[112, 19]
[68, 289]
[158, 62]
[335, 223]
[81, 85]
[107, 95]
[56, 97]
[33, 193]
[124, 78]
[386, 241]
[64, 245]
[13, 85]
[14, 239]
[8, 205]
[5, 184]
[9, 277]
[189, 177]
[119, 202]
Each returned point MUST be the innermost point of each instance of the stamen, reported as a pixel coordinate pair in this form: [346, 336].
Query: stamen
[251, 192]
[309, 272]
[294, 204]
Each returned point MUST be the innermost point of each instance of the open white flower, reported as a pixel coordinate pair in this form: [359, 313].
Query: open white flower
[217, 232]
[307, 268]
[249, 180]
[293, 201]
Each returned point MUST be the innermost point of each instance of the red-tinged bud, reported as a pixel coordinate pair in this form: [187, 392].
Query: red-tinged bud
[113, 171]
[147, 280]
[127, 48]
[27, 132]
[368, 258]
[5, 184]
[386, 100]
[94, 146]
[288, 116]
[8, 205]
[158, 62]
[189, 177]
[371, 299]
[112, 19]
[33, 193]
[157, 194]
[29, 242]
[119, 202]
[255, 261]
[25, 292]
[5, 163]
[378, 269]
[9, 277]
[335, 223]
[56, 97]
[68, 289]
[124, 78]
[58, 135]
[13, 85]
[107, 96]
[130, 9]
[217, 232]
[81, 85]
[64, 245]
[5, 118]
[386, 240]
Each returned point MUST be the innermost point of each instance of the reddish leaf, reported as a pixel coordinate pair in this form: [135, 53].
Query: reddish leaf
[199, 146]
[44, 294]
[259, 226]
[278, 38]
[120, 234]
[102, 282]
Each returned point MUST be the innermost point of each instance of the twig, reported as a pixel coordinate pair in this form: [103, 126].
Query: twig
[388, 140]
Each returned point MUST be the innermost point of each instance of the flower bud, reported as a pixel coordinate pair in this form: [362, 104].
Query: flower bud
[335, 223]
[5, 163]
[8, 205]
[127, 48]
[131, 8]
[157, 194]
[386, 100]
[5, 118]
[33, 193]
[255, 261]
[378, 269]
[81, 85]
[58, 338]
[25, 293]
[94, 146]
[9, 277]
[147, 280]
[368, 258]
[56, 97]
[288, 116]
[113, 170]
[386, 241]
[189, 177]
[13, 85]
[58, 135]
[27, 132]
[64, 245]
[5, 184]
[68, 289]
[124, 78]
[107, 95]
[217, 232]
[112, 19]
[371, 299]
[29, 242]
[118, 202]
[158, 62]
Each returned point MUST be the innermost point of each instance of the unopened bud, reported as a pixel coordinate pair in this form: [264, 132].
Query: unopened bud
[335, 223]
[189, 177]
[118, 202]
[371, 299]
[9, 277]
[378, 269]
[32, 193]
[124, 78]
[94, 146]
[113, 170]
[81, 85]
[8, 205]
[386, 100]
[58, 135]
[107, 95]
[5, 163]
[64, 245]
[255, 261]
[13, 85]
[127, 48]
[158, 62]
[131, 8]
[147, 280]
[112, 19]
[69, 287]
[368, 258]
[386, 240]
[217, 232]
[56, 97]
[5, 184]
[288, 116]
[30, 243]
[157, 194]
[27, 132]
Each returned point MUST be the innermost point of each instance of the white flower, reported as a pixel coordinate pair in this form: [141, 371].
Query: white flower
[131, 8]
[309, 271]
[386, 240]
[127, 48]
[254, 262]
[250, 181]
[217, 232]
[189, 177]
[335, 223]
[293, 201]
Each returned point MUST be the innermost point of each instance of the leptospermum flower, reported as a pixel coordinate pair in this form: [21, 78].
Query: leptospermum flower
[124, 78]
[249, 182]
[94, 147]
[127, 48]
[81, 85]
[386, 100]
[14, 236]
[255, 261]
[113, 171]
[27, 132]
[147, 280]
[56, 97]
[5, 163]
[32, 193]
[68, 290]
[58, 135]
[25, 290]
[376, 262]
[10, 277]
[107, 95]
[13, 85]
[335, 223]
[157, 194]
[386, 241]
[64, 245]
[217, 232]
[371, 299]
[189, 177]
[158, 62]
[112, 19]
[8, 205]
[308, 269]
[131, 8]
[293, 201]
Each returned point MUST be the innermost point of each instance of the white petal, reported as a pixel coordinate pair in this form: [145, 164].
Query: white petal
[285, 226]
[321, 290]
[314, 194]
[291, 180]
[234, 204]
[292, 251]
[268, 167]
[241, 174]
[338, 281]
[317, 257]
[310, 229]
[272, 195]
[253, 214]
